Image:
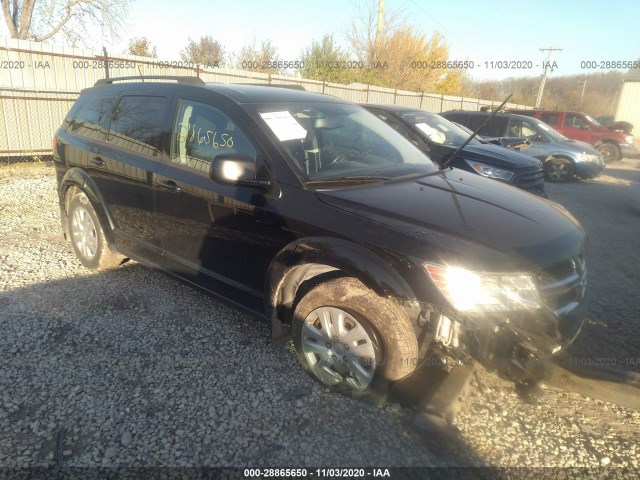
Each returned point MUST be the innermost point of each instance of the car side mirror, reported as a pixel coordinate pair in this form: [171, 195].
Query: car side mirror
[236, 169]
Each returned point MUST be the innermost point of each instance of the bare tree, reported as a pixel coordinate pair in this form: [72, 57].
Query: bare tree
[142, 47]
[206, 51]
[561, 93]
[39, 20]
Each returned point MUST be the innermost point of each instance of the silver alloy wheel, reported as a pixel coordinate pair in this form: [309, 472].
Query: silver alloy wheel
[338, 348]
[558, 171]
[83, 233]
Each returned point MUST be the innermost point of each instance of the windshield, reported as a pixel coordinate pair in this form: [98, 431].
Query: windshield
[593, 121]
[552, 133]
[334, 140]
[438, 129]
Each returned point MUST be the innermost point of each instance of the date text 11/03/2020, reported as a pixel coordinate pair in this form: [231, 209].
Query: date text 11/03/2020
[317, 472]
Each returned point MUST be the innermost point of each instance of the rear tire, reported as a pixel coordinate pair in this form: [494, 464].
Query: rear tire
[87, 238]
[347, 335]
[610, 152]
[558, 170]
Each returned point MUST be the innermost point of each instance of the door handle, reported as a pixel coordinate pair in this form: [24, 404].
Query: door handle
[98, 161]
[170, 185]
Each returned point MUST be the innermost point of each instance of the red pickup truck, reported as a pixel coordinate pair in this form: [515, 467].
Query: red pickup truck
[612, 141]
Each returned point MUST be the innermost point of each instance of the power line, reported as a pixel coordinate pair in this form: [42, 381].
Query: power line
[468, 45]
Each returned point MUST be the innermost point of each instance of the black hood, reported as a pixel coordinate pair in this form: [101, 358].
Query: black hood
[472, 208]
[498, 156]
[621, 126]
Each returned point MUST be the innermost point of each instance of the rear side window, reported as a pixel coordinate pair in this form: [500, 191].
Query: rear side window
[520, 128]
[202, 132]
[138, 124]
[549, 118]
[461, 118]
[495, 128]
[91, 117]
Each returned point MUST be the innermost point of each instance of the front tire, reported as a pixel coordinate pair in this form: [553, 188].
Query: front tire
[87, 238]
[347, 335]
[610, 152]
[558, 170]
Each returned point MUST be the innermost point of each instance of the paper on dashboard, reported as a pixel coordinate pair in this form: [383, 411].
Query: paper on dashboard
[284, 125]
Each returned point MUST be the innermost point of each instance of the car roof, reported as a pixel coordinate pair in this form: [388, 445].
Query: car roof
[546, 110]
[241, 93]
[393, 108]
[486, 114]
[270, 93]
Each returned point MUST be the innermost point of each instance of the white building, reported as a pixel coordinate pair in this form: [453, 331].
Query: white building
[629, 104]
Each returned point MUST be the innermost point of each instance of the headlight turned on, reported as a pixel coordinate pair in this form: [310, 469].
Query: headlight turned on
[474, 292]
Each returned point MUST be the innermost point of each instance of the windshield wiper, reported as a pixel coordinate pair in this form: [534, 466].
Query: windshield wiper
[370, 178]
[352, 178]
[472, 136]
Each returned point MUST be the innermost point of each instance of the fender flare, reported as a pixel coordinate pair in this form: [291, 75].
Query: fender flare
[308, 257]
[76, 177]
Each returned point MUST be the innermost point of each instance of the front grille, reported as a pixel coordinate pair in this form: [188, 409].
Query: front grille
[563, 286]
[530, 177]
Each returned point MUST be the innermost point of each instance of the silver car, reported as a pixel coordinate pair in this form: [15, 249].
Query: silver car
[563, 158]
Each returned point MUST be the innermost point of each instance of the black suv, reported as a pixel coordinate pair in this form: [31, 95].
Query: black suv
[440, 138]
[318, 216]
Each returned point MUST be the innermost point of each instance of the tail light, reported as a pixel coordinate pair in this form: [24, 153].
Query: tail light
[54, 145]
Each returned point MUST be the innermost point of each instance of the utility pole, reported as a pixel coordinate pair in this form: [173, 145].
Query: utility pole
[376, 49]
[544, 75]
[380, 15]
[584, 85]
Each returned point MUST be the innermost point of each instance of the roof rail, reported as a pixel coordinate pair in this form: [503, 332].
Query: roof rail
[180, 79]
[290, 86]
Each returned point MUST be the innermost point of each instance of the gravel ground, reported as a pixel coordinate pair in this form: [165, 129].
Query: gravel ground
[611, 333]
[133, 368]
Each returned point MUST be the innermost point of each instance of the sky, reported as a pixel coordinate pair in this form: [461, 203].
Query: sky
[479, 31]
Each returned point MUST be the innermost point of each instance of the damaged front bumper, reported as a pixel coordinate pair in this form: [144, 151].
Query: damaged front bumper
[518, 347]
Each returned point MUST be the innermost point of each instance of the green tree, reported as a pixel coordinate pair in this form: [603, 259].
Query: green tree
[323, 60]
[141, 47]
[264, 59]
[205, 52]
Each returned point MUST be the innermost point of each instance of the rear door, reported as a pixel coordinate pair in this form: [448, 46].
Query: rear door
[124, 165]
[521, 127]
[220, 236]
